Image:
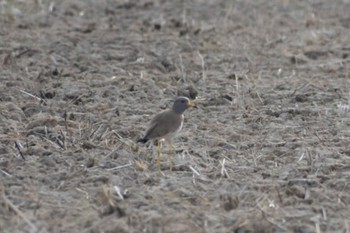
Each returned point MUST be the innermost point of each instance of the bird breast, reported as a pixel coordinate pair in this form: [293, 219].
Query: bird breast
[170, 135]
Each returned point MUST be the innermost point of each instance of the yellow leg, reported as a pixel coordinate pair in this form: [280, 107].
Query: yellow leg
[159, 150]
[171, 154]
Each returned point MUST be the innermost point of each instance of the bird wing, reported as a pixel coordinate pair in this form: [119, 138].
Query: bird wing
[162, 124]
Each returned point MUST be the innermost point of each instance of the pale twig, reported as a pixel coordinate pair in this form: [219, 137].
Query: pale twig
[203, 65]
[6, 173]
[319, 138]
[223, 169]
[103, 135]
[347, 228]
[183, 69]
[117, 134]
[324, 213]
[63, 141]
[120, 138]
[56, 144]
[141, 75]
[237, 83]
[228, 14]
[194, 171]
[261, 144]
[119, 167]
[51, 7]
[301, 157]
[111, 153]
[84, 192]
[184, 15]
[317, 226]
[31, 95]
[124, 141]
[65, 116]
[75, 100]
[18, 147]
[261, 100]
[92, 135]
[117, 190]
[19, 213]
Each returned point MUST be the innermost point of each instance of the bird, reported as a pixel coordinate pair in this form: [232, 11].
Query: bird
[166, 125]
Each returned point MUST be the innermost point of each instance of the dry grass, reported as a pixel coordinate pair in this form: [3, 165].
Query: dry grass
[267, 149]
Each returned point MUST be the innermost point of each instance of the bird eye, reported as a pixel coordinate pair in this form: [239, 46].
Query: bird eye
[183, 101]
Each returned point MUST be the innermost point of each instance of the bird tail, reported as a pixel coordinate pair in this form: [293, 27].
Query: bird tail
[142, 140]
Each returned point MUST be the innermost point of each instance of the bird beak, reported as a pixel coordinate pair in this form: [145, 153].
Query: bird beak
[191, 105]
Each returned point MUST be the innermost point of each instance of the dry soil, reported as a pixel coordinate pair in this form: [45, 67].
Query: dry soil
[267, 149]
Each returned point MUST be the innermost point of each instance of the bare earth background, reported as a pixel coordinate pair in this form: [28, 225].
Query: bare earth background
[267, 149]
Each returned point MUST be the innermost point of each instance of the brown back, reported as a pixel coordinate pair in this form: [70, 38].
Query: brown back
[163, 124]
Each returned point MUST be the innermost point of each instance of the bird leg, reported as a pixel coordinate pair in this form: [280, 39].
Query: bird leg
[159, 150]
[171, 150]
